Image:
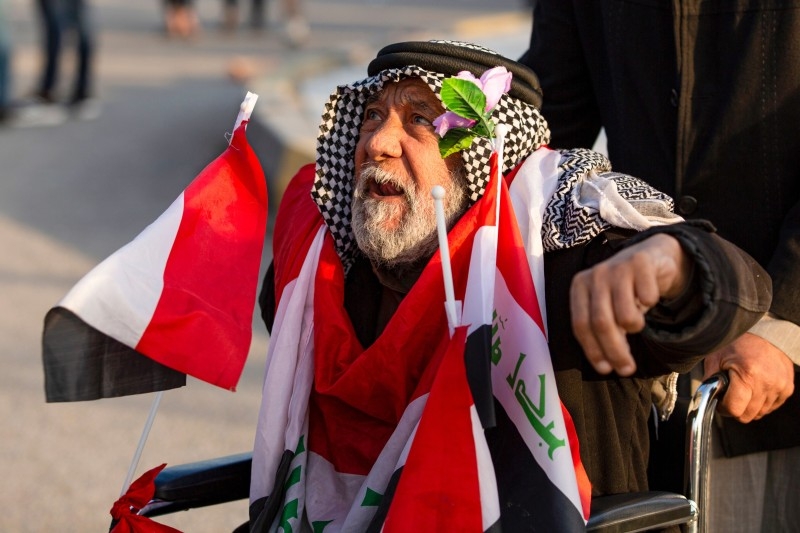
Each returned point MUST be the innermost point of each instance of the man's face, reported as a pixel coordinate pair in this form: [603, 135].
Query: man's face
[397, 164]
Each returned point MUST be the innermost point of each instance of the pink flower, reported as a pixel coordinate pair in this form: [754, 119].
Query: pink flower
[449, 120]
[494, 83]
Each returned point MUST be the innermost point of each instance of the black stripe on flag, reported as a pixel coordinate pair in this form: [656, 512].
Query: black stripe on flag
[477, 360]
[376, 524]
[528, 499]
[81, 363]
[264, 510]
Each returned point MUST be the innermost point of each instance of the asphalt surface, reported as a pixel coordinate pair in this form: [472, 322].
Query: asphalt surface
[73, 193]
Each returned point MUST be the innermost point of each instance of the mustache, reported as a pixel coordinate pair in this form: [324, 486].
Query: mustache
[373, 173]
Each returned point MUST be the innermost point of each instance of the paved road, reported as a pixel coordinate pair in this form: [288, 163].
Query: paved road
[72, 194]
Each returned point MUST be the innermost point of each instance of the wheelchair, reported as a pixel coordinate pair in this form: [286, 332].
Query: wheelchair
[225, 479]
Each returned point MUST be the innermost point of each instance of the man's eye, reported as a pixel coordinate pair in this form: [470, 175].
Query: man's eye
[422, 121]
[371, 114]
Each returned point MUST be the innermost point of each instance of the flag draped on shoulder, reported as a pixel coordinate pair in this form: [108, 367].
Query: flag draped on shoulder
[420, 430]
[176, 300]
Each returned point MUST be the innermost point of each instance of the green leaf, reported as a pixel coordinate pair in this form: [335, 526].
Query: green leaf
[455, 140]
[463, 98]
[484, 129]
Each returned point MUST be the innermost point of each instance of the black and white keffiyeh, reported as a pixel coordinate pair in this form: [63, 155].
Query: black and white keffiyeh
[432, 62]
[571, 217]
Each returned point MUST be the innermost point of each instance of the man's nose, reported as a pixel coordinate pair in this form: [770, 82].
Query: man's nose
[386, 141]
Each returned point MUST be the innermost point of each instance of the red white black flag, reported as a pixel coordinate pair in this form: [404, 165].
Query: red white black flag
[176, 300]
[538, 466]
[391, 437]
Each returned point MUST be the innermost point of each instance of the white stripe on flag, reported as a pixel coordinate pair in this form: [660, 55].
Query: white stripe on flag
[523, 382]
[119, 296]
[288, 377]
[534, 185]
[479, 296]
[487, 481]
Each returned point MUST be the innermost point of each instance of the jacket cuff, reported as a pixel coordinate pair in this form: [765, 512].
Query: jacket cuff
[726, 294]
[782, 334]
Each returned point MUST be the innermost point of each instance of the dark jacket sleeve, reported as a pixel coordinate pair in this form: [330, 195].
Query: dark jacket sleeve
[556, 56]
[784, 267]
[728, 293]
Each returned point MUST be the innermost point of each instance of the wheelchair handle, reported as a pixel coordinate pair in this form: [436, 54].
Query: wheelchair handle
[699, 421]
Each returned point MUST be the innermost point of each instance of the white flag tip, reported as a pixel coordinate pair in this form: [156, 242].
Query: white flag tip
[500, 131]
[437, 192]
[246, 109]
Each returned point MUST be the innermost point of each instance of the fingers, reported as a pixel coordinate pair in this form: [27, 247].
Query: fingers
[747, 401]
[610, 300]
[745, 404]
[602, 315]
[761, 377]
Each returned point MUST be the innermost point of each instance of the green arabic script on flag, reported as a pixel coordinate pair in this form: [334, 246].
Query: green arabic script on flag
[535, 413]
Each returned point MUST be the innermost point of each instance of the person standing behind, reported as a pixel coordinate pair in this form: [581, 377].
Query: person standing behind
[58, 18]
[180, 19]
[702, 99]
[5, 66]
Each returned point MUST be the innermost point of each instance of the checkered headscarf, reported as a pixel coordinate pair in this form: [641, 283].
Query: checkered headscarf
[432, 62]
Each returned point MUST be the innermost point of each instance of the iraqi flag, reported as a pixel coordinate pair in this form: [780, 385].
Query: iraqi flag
[494, 442]
[534, 443]
[447, 482]
[176, 300]
[368, 440]
[374, 441]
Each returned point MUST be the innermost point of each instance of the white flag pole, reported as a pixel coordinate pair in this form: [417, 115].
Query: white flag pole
[246, 109]
[500, 132]
[444, 250]
[142, 439]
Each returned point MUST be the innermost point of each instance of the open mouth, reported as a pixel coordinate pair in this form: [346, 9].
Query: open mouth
[385, 189]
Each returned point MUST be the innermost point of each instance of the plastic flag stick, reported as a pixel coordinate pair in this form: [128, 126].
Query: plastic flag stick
[142, 439]
[450, 300]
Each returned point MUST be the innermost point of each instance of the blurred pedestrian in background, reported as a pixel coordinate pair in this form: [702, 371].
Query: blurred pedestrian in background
[66, 19]
[230, 15]
[293, 21]
[5, 66]
[180, 19]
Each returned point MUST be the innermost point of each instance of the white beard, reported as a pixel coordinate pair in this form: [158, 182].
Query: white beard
[415, 236]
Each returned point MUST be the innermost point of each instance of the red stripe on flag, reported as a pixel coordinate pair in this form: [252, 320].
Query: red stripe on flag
[581, 478]
[439, 489]
[512, 261]
[202, 324]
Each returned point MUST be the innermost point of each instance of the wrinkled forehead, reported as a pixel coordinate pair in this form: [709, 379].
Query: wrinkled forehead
[408, 92]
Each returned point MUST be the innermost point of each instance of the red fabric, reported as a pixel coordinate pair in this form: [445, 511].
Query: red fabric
[359, 395]
[581, 477]
[202, 323]
[512, 260]
[137, 496]
[439, 489]
[295, 228]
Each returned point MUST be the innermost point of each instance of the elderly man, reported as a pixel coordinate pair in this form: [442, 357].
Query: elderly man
[354, 303]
